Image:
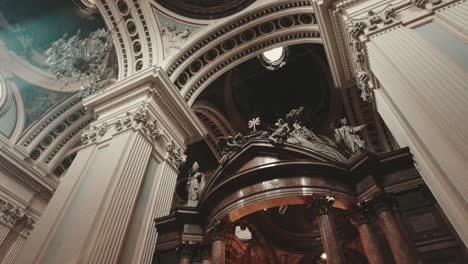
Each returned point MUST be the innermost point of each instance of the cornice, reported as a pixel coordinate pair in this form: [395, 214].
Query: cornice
[44, 187]
[151, 83]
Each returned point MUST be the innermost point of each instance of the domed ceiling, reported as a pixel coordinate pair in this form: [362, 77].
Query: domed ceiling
[205, 9]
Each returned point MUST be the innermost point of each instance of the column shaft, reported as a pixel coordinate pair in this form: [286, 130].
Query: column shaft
[371, 244]
[422, 101]
[399, 246]
[218, 252]
[330, 240]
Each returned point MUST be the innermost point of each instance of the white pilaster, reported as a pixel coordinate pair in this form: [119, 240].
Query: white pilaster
[3, 232]
[14, 250]
[425, 95]
[454, 19]
[123, 176]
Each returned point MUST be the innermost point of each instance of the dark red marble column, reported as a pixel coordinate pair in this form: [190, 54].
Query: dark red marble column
[330, 240]
[368, 237]
[399, 245]
[218, 246]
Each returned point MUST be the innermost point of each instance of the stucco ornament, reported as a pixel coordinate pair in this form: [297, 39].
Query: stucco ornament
[81, 59]
[176, 155]
[172, 37]
[195, 183]
[347, 136]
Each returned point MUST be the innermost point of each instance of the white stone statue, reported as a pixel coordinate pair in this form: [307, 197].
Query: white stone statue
[195, 183]
[347, 136]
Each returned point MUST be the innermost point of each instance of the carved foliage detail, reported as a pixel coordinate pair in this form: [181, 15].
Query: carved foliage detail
[175, 154]
[13, 216]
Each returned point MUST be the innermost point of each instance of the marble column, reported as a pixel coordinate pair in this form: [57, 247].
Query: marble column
[218, 245]
[401, 248]
[322, 207]
[422, 99]
[123, 175]
[368, 237]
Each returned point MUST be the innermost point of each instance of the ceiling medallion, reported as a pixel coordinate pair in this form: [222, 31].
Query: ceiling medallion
[205, 9]
[274, 59]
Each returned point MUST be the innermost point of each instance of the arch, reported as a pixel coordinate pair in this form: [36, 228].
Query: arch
[215, 122]
[133, 35]
[238, 40]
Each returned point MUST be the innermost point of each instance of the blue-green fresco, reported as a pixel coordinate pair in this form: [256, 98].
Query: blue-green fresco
[37, 100]
[31, 25]
[8, 119]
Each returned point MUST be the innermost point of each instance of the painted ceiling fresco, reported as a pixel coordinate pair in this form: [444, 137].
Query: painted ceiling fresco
[37, 100]
[28, 27]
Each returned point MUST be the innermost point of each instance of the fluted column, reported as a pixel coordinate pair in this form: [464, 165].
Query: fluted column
[123, 175]
[4, 229]
[422, 99]
[326, 222]
[399, 245]
[368, 237]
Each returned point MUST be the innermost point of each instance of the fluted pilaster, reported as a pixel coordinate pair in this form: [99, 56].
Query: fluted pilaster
[424, 94]
[17, 246]
[123, 177]
[453, 18]
[3, 232]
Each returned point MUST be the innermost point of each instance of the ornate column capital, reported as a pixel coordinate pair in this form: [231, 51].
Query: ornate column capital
[382, 202]
[360, 215]
[185, 250]
[13, 216]
[217, 231]
[321, 205]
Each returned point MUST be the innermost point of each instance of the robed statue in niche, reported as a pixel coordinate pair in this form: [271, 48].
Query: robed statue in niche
[195, 183]
[347, 136]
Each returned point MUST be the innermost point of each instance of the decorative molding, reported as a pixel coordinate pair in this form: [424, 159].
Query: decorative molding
[48, 140]
[49, 120]
[242, 39]
[12, 216]
[12, 170]
[176, 155]
[201, 81]
[254, 16]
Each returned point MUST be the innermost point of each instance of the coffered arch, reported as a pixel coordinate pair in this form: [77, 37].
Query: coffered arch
[134, 31]
[240, 39]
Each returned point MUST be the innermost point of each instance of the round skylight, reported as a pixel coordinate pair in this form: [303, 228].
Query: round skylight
[275, 58]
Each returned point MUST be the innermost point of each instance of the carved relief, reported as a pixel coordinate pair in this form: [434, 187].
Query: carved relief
[173, 38]
[175, 154]
[13, 216]
[140, 117]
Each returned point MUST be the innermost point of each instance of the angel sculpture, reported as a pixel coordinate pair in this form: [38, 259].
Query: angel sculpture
[347, 136]
[284, 128]
[195, 183]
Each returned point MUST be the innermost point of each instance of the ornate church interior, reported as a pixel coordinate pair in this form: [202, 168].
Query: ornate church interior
[234, 131]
